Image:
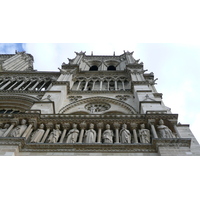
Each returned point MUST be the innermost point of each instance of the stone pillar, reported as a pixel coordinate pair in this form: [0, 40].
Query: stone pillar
[42, 85]
[152, 122]
[99, 126]
[134, 126]
[5, 85]
[49, 127]
[9, 129]
[86, 84]
[79, 83]
[174, 122]
[123, 87]
[16, 81]
[94, 81]
[22, 83]
[66, 128]
[27, 130]
[116, 85]
[34, 86]
[108, 84]
[31, 80]
[101, 82]
[83, 127]
[116, 126]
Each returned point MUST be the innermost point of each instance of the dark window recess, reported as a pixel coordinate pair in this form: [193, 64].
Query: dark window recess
[111, 68]
[93, 68]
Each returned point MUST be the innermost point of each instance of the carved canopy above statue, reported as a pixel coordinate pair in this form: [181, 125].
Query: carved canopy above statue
[97, 105]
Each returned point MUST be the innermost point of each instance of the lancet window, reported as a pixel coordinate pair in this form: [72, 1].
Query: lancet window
[101, 84]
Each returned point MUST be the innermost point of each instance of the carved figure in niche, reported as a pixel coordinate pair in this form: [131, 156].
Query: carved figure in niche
[144, 134]
[108, 135]
[90, 135]
[125, 135]
[54, 135]
[72, 135]
[3, 129]
[164, 131]
[37, 135]
[19, 129]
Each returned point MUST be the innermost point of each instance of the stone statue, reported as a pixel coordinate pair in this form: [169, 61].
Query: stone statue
[144, 134]
[108, 135]
[19, 129]
[125, 135]
[164, 131]
[72, 135]
[90, 135]
[54, 135]
[37, 135]
[3, 129]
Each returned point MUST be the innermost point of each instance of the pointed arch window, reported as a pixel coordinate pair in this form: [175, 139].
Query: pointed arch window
[111, 68]
[93, 68]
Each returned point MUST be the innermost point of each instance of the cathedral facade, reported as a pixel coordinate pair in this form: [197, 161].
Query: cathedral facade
[94, 105]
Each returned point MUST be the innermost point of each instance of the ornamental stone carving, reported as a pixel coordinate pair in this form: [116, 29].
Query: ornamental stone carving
[72, 135]
[164, 131]
[3, 129]
[38, 134]
[125, 135]
[90, 135]
[144, 134]
[97, 107]
[107, 135]
[54, 135]
[19, 129]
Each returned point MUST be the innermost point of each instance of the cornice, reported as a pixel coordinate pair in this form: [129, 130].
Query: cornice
[96, 147]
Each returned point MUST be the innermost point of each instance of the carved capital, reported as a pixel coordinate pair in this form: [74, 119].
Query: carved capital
[83, 125]
[100, 125]
[14, 121]
[49, 125]
[151, 121]
[33, 121]
[66, 125]
[133, 125]
[116, 125]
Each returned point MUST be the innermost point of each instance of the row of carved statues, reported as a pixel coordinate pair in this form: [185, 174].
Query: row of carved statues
[74, 135]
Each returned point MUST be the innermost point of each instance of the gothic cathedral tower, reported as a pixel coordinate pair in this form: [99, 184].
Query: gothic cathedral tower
[95, 105]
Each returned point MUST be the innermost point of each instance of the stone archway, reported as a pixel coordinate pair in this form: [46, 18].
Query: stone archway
[98, 105]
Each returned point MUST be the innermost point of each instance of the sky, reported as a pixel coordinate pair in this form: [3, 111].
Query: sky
[164, 35]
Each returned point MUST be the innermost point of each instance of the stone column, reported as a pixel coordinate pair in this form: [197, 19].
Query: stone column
[177, 133]
[22, 83]
[116, 126]
[134, 126]
[42, 85]
[99, 126]
[94, 81]
[83, 127]
[116, 85]
[79, 83]
[37, 82]
[9, 129]
[101, 82]
[16, 81]
[152, 122]
[66, 127]
[174, 122]
[49, 127]
[5, 85]
[86, 84]
[27, 130]
[31, 81]
[123, 87]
